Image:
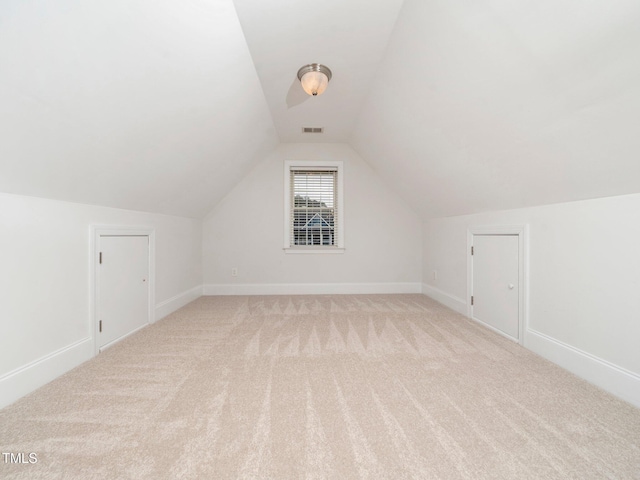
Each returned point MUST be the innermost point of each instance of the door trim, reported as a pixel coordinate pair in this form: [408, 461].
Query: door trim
[96, 231]
[522, 231]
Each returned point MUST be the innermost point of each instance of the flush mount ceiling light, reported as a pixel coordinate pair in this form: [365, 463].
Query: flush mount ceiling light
[314, 78]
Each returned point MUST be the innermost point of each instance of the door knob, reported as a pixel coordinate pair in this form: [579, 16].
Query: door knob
[511, 285]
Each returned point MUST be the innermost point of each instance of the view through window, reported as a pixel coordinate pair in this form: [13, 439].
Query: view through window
[313, 212]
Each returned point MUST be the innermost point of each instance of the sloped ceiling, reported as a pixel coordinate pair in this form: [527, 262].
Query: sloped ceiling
[348, 36]
[461, 106]
[499, 104]
[138, 104]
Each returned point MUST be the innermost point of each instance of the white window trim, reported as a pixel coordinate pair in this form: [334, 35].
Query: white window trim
[311, 165]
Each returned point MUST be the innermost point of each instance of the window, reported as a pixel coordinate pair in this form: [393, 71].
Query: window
[313, 207]
[313, 211]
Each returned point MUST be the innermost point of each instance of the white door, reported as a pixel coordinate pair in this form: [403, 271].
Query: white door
[496, 291]
[123, 286]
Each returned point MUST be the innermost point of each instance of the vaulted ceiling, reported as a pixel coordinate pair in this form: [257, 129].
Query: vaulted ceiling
[496, 104]
[137, 104]
[350, 37]
[461, 106]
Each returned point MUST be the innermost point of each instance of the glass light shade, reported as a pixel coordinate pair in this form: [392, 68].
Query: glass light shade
[314, 78]
[314, 83]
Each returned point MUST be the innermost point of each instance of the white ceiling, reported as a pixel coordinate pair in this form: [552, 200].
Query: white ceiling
[498, 104]
[137, 104]
[467, 106]
[348, 36]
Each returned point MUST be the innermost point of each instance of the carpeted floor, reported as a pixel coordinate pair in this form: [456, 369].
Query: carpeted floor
[320, 387]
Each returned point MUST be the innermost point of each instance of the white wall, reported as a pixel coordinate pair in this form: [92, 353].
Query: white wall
[584, 283]
[45, 282]
[245, 231]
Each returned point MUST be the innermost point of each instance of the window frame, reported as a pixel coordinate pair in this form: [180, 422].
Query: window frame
[308, 165]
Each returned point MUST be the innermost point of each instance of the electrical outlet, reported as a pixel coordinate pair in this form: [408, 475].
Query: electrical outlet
[435, 274]
[234, 272]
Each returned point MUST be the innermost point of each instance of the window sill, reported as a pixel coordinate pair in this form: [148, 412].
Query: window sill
[297, 250]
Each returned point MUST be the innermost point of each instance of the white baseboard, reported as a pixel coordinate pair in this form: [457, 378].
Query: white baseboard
[612, 378]
[26, 379]
[311, 289]
[178, 301]
[451, 301]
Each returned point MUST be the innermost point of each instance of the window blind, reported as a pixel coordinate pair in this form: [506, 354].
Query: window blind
[313, 207]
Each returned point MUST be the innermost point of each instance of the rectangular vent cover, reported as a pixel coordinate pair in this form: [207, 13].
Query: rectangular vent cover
[312, 129]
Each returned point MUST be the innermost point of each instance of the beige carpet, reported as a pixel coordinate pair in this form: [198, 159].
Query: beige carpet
[320, 387]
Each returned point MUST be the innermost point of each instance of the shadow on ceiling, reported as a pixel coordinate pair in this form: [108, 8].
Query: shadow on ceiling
[296, 95]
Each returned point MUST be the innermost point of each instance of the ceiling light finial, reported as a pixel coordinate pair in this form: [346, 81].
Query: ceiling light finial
[314, 78]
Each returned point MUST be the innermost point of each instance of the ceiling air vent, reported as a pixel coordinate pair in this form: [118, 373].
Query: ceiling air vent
[312, 129]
